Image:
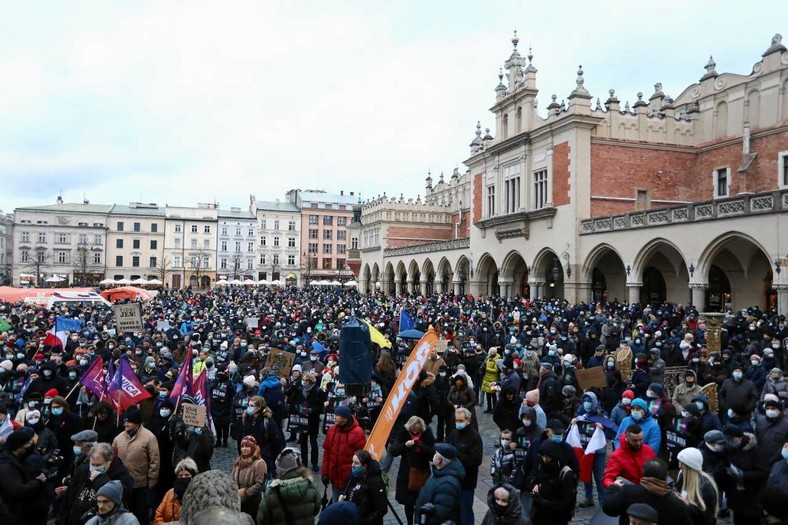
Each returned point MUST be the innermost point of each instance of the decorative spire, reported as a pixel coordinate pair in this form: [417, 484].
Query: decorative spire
[477, 144]
[440, 180]
[657, 91]
[777, 45]
[530, 55]
[429, 179]
[711, 72]
[640, 102]
[515, 40]
[598, 105]
[500, 88]
[580, 91]
[612, 98]
[553, 106]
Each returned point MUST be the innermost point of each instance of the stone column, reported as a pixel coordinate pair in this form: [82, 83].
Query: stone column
[633, 292]
[398, 286]
[506, 287]
[439, 286]
[410, 286]
[782, 298]
[423, 286]
[363, 285]
[698, 295]
[537, 288]
[457, 283]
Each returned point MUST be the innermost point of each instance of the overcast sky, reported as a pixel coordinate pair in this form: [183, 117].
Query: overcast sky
[179, 102]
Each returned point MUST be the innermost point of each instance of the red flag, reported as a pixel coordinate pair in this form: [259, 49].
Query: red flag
[585, 456]
[200, 394]
[53, 341]
[93, 378]
[125, 387]
[183, 385]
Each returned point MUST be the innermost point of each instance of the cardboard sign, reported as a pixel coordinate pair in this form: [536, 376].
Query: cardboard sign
[251, 322]
[193, 415]
[589, 378]
[441, 346]
[280, 362]
[128, 317]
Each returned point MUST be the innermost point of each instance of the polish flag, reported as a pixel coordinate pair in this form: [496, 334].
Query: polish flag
[586, 457]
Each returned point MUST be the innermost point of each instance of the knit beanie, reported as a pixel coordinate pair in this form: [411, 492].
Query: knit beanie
[288, 460]
[112, 490]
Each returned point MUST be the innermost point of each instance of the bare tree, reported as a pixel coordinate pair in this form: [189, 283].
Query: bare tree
[162, 269]
[84, 266]
[40, 259]
[200, 262]
[235, 263]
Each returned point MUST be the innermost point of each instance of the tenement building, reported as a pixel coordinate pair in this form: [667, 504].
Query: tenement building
[671, 198]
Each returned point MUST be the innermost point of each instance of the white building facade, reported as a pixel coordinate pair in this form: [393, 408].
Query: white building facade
[236, 246]
[279, 246]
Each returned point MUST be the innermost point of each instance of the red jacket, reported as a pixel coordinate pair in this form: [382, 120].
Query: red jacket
[338, 449]
[626, 463]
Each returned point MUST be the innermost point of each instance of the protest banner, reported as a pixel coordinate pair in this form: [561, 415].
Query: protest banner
[588, 378]
[128, 317]
[193, 415]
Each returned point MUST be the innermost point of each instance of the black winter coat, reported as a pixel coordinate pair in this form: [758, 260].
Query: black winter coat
[418, 456]
[506, 412]
[468, 443]
[752, 481]
[222, 393]
[557, 496]
[20, 491]
[670, 508]
[368, 493]
[81, 495]
[444, 491]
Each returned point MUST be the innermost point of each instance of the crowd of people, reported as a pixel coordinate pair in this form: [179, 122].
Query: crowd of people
[674, 434]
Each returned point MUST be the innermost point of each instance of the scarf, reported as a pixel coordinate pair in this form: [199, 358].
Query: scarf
[6, 428]
[656, 486]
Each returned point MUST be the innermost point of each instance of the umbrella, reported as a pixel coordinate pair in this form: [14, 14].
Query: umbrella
[236, 281]
[335, 283]
[264, 282]
[250, 281]
[276, 282]
[411, 334]
[139, 281]
[221, 282]
[124, 281]
[155, 282]
[54, 279]
[351, 283]
[108, 281]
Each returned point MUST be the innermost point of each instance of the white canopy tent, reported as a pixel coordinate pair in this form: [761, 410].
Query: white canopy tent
[351, 283]
[221, 282]
[106, 282]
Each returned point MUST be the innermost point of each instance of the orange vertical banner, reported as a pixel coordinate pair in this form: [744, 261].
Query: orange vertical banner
[376, 444]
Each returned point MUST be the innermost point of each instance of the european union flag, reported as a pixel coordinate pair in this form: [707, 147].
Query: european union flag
[63, 324]
[405, 321]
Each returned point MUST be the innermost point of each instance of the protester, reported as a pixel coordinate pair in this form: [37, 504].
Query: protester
[627, 461]
[249, 473]
[416, 446]
[554, 488]
[138, 449]
[109, 502]
[503, 507]
[170, 507]
[443, 490]
[366, 489]
[697, 488]
[343, 439]
[22, 493]
[466, 439]
[292, 499]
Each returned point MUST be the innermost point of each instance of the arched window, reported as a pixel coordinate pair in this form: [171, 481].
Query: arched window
[721, 120]
[518, 120]
[505, 126]
[754, 108]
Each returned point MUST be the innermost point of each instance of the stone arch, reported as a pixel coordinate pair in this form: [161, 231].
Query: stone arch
[548, 269]
[205, 282]
[661, 268]
[428, 277]
[444, 276]
[462, 275]
[514, 272]
[414, 276]
[486, 276]
[366, 276]
[738, 272]
[388, 279]
[375, 277]
[721, 119]
[604, 270]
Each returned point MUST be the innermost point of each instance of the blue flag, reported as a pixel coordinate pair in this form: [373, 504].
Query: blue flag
[63, 324]
[405, 321]
[319, 348]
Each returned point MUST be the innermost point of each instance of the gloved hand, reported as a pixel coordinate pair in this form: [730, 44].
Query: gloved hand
[325, 479]
[735, 472]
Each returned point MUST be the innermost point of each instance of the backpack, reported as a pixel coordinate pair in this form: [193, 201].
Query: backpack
[564, 472]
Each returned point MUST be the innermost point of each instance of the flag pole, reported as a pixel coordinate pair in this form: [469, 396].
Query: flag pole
[72, 390]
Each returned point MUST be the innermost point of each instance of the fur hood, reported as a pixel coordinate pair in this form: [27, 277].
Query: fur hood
[427, 381]
[749, 441]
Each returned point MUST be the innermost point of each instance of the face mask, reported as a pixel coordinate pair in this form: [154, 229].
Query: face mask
[772, 414]
[551, 353]
[57, 411]
[313, 358]
[776, 346]
[180, 486]
[9, 356]
[72, 375]
[700, 405]
[100, 469]
[588, 405]
[611, 365]
[737, 376]
[505, 443]
[637, 415]
[784, 454]
[754, 362]
[165, 412]
[138, 352]
[459, 426]
[658, 344]
[33, 421]
[684, 413]
[83, 362]
[734, 444]
[159, 344]
[556, 438]
[356, 470]
[111, 347]
[303, 354]
[730, 413]
[162, 395]
[47, 373]
[696, 360]
[340, 391]
[527, 422]
[651, 394]
[198, 431]
[20, 355]
[719, 447]
[250, 410]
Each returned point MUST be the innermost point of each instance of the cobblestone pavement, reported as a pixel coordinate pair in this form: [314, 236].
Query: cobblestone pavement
[223, 460]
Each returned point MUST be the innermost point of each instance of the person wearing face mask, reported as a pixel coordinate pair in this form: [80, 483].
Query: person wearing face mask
[504, 507]
[640, 415]
[778, 476]
[462, 396]
[48, 379]
[755, 372]
[250, 474]
[169, 510]
[777, 385]
[444, 409]
[194, 442]
[504, 460]
[366, 489]
[343, 438]
[24, 495]
[746, 477]
[466, 439]
[771, 431]
[101, 466]
[626, 462]
[554, 488]
[736, 391]
[271, 391]
[293, 490]
[258, 422]
[715, 460]
[138, 449]
[7, 425]
[415, 445]
[686, 390]
[63, 424]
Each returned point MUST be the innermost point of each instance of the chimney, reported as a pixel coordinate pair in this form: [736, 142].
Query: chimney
[341, 192]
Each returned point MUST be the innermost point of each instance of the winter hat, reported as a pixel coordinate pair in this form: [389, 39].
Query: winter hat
[629, 394]
[249, 381]
[643, 512]
[713, 436]
[777, 370]
[549, 448]
[187, 464]
[112, 490]
[546, 365]
[771, 397]
[732, 431]
[773, 404]
[568, 391]
[250, 440]
[288, 460]
[446, 450]
[339, 513]
[692, 409]
[8, 365]
[19, 438]
[86, 436]
[134, 415]
[32, 414]
[657, 389]
[296, 368]
[692, 458]
[640, 404]
[755, 357]
[532, 396]
[52, 392]
[343, 411]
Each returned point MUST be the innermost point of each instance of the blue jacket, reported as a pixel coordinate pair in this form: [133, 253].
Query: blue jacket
[652, 435]
[443, 489]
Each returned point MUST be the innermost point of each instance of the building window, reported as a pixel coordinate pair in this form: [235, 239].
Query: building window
[41, 256]
[96, 257]
[61, 257]
[224, 246]
[291, 226]
[251, 232]
[721, 183]
[291, 242]
[354, 243]
[313, 205]
[262, 224]
[135, 244]
[276, 241]
[341, 235]
[313, 233]
[291, 260]
[327, 248]
[783, 168]
[118, 261]
[262, 241]
[312, 247]
[262, 258]
[153, 262]
[120, 226]
[276, 225]
[250, 247]
[313, 219]
[540, 189]
[223, 264]
[154, 245]
[24, 256]
[327, 263]
[249, 264]
[177, 243]
[177, 228]
[194, 228]
[275, 260]
[194, 244]
[490, 201]
[83, 239]
[511, 188]
[42, 237]
[238, 232]
[25, 236]
[328, 220]
[98, 240]
[327, 234]
[224, 230]
[237, 246]
[135, 261]
[341, 221]
[154, 228]
[118, 243]
[642, 200]
[176, 261]
[340, 264]
[62, 238]
[341, 248]
[137, 227]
